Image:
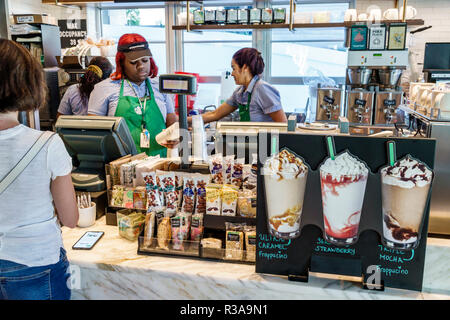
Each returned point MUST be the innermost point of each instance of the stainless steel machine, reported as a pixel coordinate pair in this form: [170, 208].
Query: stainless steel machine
[329, 104]
[372, 86]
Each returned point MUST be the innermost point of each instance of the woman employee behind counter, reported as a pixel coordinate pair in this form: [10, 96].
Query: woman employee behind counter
[132, 92]
[256, 99]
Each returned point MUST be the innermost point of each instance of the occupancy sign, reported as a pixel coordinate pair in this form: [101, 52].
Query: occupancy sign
[72, 31]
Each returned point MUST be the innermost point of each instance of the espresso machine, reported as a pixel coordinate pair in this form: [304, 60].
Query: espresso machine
[372, 86]
[329, 103]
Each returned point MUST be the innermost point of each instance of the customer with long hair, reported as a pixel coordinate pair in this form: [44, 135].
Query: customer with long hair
[33, 262]
[76, 97]
[132, 92]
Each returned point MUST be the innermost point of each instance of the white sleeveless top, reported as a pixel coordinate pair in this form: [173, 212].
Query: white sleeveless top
[29, 230]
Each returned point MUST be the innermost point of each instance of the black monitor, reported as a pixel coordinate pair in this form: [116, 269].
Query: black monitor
[92, 142]
[437, 55]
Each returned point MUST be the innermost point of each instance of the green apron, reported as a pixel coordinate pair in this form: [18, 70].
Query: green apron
[244, 110]
[153, 120]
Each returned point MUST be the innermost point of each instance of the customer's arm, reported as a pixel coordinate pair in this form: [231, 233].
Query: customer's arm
[64, 198]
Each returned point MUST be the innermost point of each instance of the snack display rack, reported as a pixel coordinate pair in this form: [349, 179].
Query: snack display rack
[217, 237]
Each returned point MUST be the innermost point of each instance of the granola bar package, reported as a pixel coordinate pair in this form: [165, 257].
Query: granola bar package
[149, 229]
[237, 173]
[200, 180]
[250, 243]
[188, 195]
[153, 194]
[159, 175]
[234, 247]
[170, 195]
[139, 198]
[117, 196]
[228, 162]
[164, 233]
[179, 176]
[128, 198]
[216, 168]
[213, 199]
[229, 200]
[196, 227]
[249, 178]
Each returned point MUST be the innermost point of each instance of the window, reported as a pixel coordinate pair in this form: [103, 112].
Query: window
[148, 22]
[308, 55]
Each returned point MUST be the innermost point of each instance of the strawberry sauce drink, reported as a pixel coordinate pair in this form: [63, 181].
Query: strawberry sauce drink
[285, 177]
[343, 184]
[404, 191]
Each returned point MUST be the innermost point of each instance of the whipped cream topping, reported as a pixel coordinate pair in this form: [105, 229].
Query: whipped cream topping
[344, 165]
[286, 165]
[407, 173]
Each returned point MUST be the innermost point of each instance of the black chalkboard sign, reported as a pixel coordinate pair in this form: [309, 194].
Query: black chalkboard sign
[367, 257]
[72, 31]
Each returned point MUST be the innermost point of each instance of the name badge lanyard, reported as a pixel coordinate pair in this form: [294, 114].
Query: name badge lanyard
[145, 135]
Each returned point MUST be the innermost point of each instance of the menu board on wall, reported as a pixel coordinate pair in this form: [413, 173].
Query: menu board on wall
[72, 31]
[366, 256]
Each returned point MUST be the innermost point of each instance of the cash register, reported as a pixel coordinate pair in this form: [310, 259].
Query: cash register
[92, 142]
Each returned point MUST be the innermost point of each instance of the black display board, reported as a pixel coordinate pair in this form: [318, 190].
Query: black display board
[72, 31]
[310, 252]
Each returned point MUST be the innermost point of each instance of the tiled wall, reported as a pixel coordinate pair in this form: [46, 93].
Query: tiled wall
[434, 12]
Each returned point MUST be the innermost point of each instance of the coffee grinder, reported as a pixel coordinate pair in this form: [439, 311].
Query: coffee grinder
[373, 91]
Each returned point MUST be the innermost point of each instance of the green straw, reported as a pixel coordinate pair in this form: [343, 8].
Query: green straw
[331, 147]
[274, 145]
[392, 154]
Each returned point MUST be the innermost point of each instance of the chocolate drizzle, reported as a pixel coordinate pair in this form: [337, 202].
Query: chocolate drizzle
[399, 233]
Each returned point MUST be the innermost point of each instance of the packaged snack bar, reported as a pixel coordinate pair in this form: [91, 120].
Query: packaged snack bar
[159, 174]
[153, 194]
[126, 175]
[117, 196]
[128, 198]
[250, 243]
[164, 233]
[179, 187]
[228, 162]
[229, 200]
[237, 173]
[196, 227]
[170, 195]
[200, 189]
[188, 195]
[114, 170]
[146, 165]
[212, 243]
[139, 198]
[177, 236]
[247, 204]
[213, 199]
[216, 168]
[130, 226]
[234, 247]
[149, 229]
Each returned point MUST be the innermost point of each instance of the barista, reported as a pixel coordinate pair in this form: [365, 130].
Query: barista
[76, 97]
[132, 92]
[256, 99]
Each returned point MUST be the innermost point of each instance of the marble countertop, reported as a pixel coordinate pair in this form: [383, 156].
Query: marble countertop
[114, 270]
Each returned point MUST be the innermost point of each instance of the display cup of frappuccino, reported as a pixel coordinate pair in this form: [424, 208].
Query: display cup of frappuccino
[343, 183]
[285, 175]
[404, 190]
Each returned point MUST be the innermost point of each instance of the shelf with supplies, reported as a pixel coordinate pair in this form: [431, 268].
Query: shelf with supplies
[412, 22]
